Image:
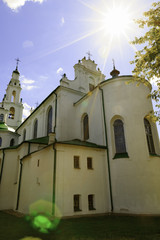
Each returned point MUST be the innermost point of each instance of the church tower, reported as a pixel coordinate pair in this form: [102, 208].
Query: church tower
[12, 101]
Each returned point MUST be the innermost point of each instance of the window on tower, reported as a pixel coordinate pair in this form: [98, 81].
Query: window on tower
[13, 96]
[11, 113]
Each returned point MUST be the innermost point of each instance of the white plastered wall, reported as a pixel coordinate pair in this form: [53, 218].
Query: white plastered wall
[83, 181]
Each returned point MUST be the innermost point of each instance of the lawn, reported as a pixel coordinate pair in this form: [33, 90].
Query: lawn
[86, 228]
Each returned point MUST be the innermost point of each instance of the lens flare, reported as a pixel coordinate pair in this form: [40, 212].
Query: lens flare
[41, 218]
[116, 21]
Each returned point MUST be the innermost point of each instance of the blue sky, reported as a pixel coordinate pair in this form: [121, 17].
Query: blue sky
[50, 36]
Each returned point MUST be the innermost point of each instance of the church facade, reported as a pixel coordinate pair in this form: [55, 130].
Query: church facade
[88, 148]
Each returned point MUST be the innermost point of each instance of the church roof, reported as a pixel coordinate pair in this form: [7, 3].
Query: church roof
[54, 91]
[42, 140]
[4, 127]
[78, 142]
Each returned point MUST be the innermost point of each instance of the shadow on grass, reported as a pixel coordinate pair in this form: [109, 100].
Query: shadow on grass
[86, 228]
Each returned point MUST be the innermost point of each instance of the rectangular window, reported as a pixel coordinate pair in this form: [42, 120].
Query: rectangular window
[76, 199]
[91, 202]
[76, 162]
[89, 163]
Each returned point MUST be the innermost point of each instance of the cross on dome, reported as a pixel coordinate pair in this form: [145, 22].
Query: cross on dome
[17, 59]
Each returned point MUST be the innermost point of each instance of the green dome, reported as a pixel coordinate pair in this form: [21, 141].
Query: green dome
[3, 126]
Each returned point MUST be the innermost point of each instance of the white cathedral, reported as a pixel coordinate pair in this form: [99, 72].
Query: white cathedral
[88, 148]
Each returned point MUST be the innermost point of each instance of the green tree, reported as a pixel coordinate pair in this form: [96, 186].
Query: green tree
[147, 60]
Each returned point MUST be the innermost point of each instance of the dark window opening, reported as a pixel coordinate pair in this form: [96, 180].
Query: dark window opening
[91, 202]
[12, 142]
[76, 162]
[89, 163]
[49, 121]
[38, 163]
[149, 136]
[86, 127]
[24, 135]
[119, 136]
[76, 200]
[35, 129]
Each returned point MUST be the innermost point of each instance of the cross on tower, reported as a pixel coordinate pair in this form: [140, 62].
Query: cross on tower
[17, 59]
[113, 63]
[89, 55]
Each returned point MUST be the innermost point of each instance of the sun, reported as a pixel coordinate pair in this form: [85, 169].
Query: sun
[116, 21]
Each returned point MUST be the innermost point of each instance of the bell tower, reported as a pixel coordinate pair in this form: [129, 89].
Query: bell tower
[12, 101]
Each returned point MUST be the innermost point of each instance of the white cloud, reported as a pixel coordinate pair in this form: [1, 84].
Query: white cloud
[30, 87]
[59, 70]
[15, 4]
[43, 77]
[25, 80]
[26, 83]
[26, 110]
[27, 44]
[62, 21]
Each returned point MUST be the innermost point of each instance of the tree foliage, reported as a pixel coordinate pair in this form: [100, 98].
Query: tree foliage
[147, 60]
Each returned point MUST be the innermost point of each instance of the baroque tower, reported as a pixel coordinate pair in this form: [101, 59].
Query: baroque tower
[12, 101]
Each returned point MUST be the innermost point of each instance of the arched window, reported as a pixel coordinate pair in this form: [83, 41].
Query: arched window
[13, 96]
[35, 129]
[12, 142]
[85, 127]
[149, 136]
[11, 113]
[1, 117]
[0, 141]
[119, 136]
[24, 135]
[49, 121]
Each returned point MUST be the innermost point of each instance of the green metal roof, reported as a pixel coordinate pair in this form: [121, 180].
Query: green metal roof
[78, 142]
[42, 140]
[3, 126]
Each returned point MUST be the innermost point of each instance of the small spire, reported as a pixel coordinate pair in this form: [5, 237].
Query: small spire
[114, 73]
[113, 63]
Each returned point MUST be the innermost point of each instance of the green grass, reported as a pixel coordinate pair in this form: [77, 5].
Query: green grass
[86, 228]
